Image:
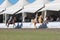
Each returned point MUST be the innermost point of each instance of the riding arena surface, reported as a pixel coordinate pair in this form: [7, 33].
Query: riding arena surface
[30, 34]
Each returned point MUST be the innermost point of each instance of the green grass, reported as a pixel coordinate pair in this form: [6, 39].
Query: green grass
[29, 34]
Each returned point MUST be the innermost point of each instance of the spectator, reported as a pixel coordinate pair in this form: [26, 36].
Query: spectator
[58, 19]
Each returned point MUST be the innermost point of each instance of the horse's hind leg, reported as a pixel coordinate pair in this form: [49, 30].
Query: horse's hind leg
[13, 25]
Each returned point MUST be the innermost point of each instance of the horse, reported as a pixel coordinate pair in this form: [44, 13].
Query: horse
[34, 22]
[12, 20]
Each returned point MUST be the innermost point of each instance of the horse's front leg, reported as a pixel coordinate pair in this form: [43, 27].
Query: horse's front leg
[13, 25]
[8, 25]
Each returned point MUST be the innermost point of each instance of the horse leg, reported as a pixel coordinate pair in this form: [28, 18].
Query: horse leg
[8, 25]
[13, 25]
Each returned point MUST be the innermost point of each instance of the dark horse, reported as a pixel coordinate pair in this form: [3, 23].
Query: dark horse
[12, 20]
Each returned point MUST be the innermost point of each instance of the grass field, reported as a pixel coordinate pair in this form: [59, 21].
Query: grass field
[29, 34]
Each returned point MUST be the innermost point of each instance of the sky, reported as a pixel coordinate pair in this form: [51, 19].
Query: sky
[15, 1]
[1, 1]
[31, 1]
